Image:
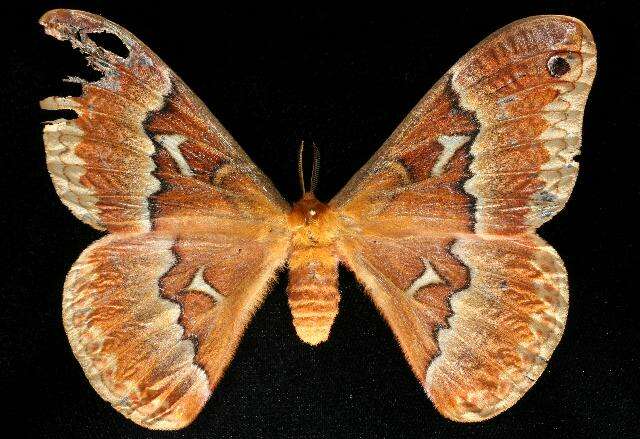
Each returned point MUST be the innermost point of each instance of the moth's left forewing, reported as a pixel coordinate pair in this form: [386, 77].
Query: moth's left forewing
[144, 152]
[440, 224]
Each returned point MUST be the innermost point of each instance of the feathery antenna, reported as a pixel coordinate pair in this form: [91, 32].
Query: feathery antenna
[301, 167]
[315, 170]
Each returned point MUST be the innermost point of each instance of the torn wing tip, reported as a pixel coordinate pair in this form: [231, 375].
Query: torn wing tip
[53, 18]
[62, 23]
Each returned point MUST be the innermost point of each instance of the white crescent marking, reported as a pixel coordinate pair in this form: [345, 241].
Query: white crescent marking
[428, 277]
[199, 284]
[450, 145]
[172, 142]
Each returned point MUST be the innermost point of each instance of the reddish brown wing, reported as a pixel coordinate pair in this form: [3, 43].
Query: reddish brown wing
[154, 320]
[440, 224]
[143, 146]
[477, 317]
[154, 312]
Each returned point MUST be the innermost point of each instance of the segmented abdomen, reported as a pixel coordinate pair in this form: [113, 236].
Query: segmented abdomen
[313, 292]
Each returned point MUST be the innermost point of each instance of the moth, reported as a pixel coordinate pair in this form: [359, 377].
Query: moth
[438, 226]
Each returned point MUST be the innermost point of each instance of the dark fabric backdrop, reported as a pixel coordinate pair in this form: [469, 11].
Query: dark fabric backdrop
[344, 79]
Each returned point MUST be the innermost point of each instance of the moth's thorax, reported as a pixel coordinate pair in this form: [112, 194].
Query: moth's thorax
[313, 223]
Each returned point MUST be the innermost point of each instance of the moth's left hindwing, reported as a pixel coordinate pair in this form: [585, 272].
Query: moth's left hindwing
[155, 310]
[440, 224]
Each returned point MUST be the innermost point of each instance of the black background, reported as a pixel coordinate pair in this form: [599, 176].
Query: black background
[344, 79]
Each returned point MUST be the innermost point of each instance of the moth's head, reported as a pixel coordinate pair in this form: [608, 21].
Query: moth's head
[307, 211]
[312, 220]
